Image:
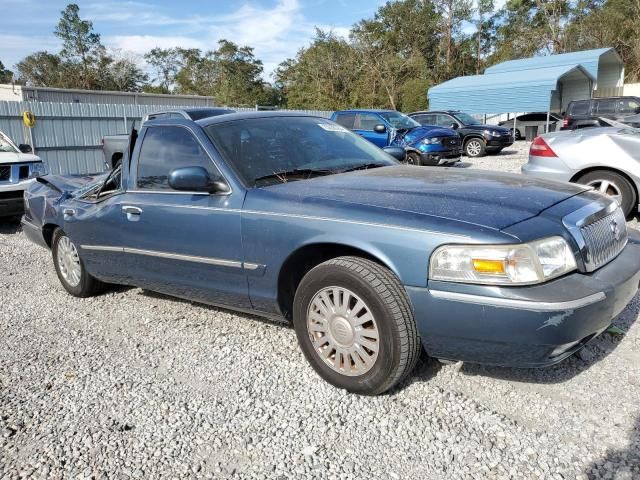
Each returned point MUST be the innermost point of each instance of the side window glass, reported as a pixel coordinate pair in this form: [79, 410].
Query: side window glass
[423, 119]
[628, 106]
[579, 108]
[444, 120]
[605, 106]
[346, 120]
[164, 149]
[366, 121]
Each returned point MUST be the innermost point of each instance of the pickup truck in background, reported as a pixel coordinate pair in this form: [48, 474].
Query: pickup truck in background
[18, 168]
[113, 146]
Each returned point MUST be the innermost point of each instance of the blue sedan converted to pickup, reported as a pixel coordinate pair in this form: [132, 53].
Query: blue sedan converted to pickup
[294, 217]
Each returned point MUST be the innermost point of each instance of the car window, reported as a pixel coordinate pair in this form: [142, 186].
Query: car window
[164, 149]
[605, 106]
[258, 147]
[424, 119]
[579, 108]
[399, 120]
[626, 105]
[443, 120]
[366, 121]
[347, 120]
[155, 116]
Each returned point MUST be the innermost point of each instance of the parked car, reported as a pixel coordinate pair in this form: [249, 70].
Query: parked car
[296, 218]
[424, 145]
[531, 120]
[632, 121]
[607, 159]
[587, 113]
[113, 146]
[18, 168]
[477, 139]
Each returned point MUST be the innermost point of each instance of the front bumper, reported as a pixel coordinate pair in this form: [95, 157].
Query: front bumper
[548, 169]
[499, 142]
[529, 326]
[11, 203]
[445, 157]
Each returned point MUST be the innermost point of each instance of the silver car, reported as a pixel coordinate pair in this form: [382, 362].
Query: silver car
[606, 158]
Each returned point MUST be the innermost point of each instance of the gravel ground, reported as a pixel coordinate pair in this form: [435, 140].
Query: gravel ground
[137, 385]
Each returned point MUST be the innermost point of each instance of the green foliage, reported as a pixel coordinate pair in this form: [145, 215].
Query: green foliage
[6, 75]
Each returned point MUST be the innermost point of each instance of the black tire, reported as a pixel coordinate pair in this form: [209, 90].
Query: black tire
[517, 135]
[475, 147]
[617, 183]
[413, 159]
[87, 285]
[399, 344]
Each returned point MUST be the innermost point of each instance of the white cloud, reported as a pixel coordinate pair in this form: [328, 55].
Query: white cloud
[14, 48]
[141, 44]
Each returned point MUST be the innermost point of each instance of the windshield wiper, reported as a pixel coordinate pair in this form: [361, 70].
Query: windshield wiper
[365, 166]
[283, 175]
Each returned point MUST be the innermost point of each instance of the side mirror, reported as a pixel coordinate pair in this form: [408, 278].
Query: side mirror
[454, 126]
[196, 179]
[396, 152]
[380, 128]
[24, 148]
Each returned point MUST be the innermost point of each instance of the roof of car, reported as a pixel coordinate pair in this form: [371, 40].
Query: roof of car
[367, 110]
[434, 111]
[230, 117]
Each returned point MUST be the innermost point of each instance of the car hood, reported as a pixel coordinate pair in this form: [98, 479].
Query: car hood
[488, 199]
[10, 157]
[414, 135]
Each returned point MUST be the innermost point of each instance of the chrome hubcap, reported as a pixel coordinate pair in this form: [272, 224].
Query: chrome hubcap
[608, 188]
[473, 148]
[69, 262]
[343, 331]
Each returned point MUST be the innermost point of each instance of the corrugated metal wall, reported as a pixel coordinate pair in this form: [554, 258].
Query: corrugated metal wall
[67, 136]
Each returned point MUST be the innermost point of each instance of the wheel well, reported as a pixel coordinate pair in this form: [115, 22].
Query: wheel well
[47, 232]
[607, 169]
[304, 259]
[471, 137]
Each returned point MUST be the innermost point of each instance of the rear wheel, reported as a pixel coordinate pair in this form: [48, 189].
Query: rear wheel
[70, 268]
[614, 185]
[355, 326]
[474, 147]
[516, 135]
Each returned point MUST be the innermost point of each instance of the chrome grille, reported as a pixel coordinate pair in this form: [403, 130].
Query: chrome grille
[5, 172]
[604, 239]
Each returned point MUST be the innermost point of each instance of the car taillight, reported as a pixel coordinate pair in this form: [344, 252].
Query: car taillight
[565, 122]
[539, 148]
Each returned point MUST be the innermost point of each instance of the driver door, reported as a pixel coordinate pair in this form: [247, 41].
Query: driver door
[186, 244]
[364, 126]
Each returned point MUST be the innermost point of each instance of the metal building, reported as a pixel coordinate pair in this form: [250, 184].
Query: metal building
[19, 93]
[537, 84]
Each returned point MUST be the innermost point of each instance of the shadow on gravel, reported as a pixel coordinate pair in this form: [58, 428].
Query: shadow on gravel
[213, 308]
[10, 225]
[592, 353]
[619, 464]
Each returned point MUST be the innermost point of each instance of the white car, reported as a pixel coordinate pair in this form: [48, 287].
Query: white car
[605, 158]
[18, 168]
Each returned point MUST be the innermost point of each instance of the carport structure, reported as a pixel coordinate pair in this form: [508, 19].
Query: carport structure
[537, 84]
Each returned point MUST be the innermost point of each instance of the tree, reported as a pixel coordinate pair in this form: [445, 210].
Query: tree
[453, 13]
[81, 47]
[6, 75]
[42, 69]
[483, 28]
[166, 62]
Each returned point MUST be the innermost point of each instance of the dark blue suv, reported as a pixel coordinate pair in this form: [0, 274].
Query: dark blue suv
[425, 145]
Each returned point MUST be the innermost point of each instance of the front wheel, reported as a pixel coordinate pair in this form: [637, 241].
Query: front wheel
[355, 326]
[413, 159]
[614, 185]
[474, 148]
[516, 135]
[70, 269]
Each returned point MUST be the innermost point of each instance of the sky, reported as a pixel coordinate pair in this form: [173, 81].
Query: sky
[276, 29]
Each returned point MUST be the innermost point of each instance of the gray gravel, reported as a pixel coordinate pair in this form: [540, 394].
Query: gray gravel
[137, 385]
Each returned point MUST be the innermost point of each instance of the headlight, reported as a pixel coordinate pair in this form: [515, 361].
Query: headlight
[520, 264]
[493, 133]
[37, 170]
[431, 141]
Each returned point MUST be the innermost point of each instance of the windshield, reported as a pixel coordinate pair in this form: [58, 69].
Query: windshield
[5, 145]
[260, 148]
[467, 119]
[399, 120]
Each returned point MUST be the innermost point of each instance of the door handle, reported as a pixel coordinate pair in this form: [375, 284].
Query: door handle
[68, 212]
[133, 213]
[131, 210]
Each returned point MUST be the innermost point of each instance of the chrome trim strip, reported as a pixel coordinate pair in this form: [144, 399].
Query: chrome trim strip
[251, 266]
[186, 258]
[170, 192]
[102, 248]
[519, 304]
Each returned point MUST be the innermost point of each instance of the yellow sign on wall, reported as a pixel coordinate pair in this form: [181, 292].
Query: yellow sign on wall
[28, 118]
